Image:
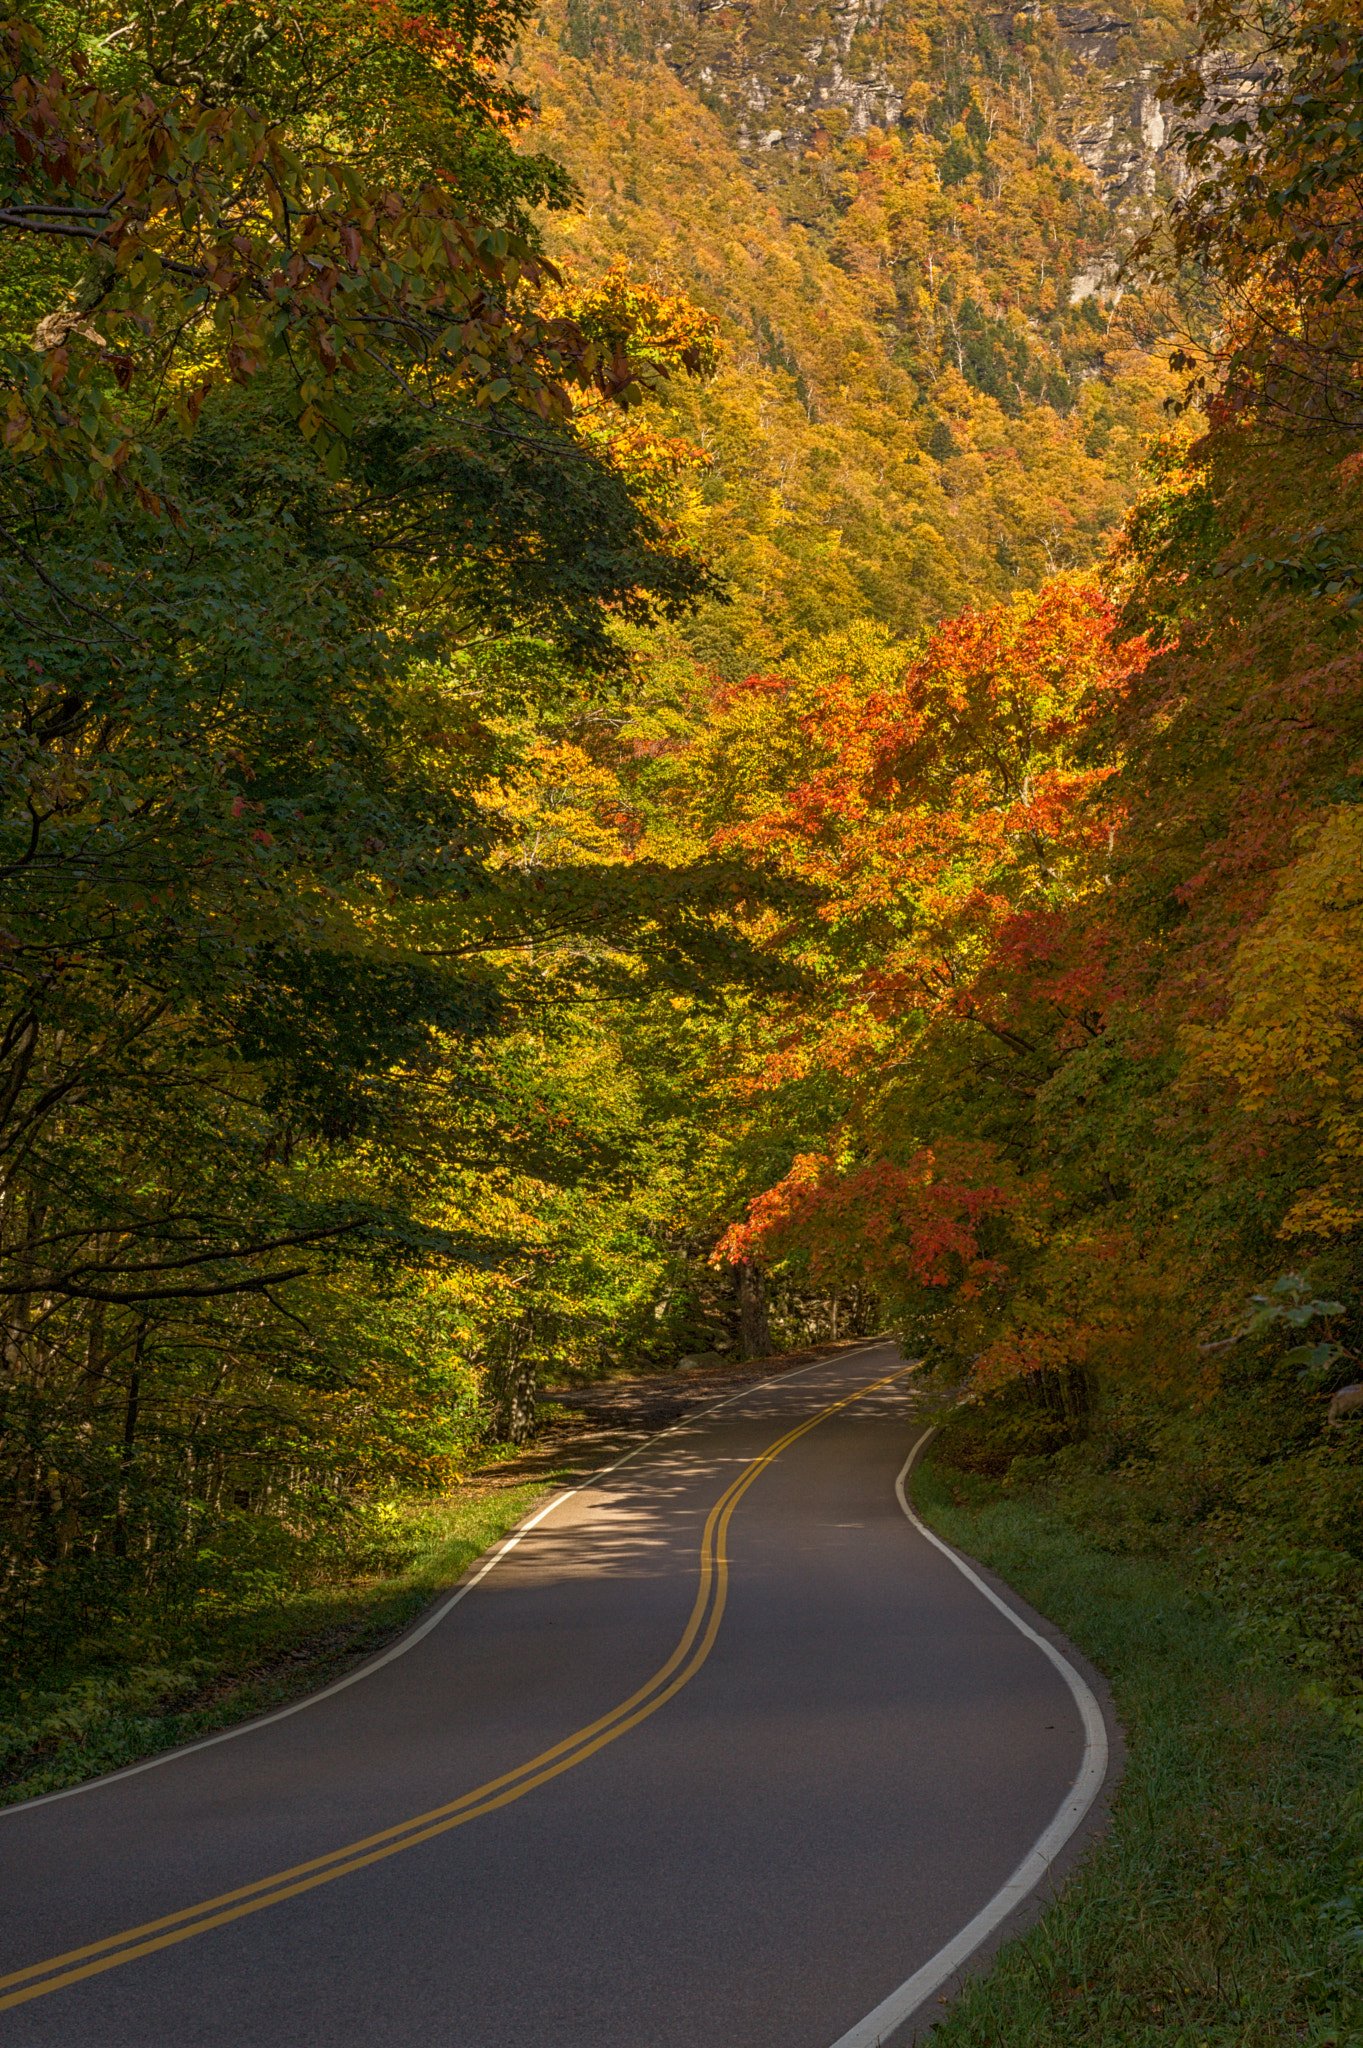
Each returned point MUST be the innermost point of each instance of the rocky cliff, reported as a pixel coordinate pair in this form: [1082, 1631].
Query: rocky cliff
[778, 73]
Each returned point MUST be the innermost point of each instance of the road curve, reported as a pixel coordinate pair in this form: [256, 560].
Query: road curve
[720, 1753]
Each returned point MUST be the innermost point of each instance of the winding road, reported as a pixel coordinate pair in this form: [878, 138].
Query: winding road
[719, 1751]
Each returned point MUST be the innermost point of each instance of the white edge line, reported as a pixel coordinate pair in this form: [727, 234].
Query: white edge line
[412, 1636]
[894, 2010]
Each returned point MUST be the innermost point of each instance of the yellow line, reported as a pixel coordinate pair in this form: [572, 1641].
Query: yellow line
[466, 1799]
[574, 1749]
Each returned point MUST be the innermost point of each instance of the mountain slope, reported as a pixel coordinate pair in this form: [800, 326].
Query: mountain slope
[930, 394]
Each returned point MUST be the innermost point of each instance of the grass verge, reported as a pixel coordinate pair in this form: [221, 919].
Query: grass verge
[109, 1703]
[1224, 1904]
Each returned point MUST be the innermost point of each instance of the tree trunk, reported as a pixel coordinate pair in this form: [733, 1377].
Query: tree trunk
[514, 1422]
[125, 1463]
[753, 1333]
[518, 1405]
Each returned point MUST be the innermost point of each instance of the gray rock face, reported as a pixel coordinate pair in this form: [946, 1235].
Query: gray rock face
[1346, 1402]
[780, 92]
[1140, 139]
[778, 71]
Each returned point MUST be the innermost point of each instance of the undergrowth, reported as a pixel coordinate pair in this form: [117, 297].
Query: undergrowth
[80, 1708]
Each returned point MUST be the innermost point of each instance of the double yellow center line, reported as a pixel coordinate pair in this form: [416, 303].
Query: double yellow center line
[696, 1643]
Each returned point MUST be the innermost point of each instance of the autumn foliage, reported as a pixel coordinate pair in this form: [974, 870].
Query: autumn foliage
[585, 735]
[1092, 876]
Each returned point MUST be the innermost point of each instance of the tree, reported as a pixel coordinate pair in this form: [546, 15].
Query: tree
[958, 831]
[297, 517]
[1272, 213]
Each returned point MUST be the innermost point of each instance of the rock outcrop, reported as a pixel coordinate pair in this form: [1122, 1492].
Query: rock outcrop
[778, 70]
[779, 77]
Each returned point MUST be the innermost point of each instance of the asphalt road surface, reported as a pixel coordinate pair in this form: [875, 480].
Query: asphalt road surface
[716, 1756]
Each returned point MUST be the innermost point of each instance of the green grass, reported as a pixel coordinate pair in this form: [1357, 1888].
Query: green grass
[112, 1702]
[1224, 1904]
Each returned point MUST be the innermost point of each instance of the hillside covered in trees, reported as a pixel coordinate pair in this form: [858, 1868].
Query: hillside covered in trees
[674, 678]
[931, 391]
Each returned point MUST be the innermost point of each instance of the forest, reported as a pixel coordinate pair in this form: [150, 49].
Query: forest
[640, 722]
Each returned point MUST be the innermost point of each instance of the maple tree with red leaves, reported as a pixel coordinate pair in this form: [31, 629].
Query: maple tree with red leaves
[1052, 852]
[960, 836]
